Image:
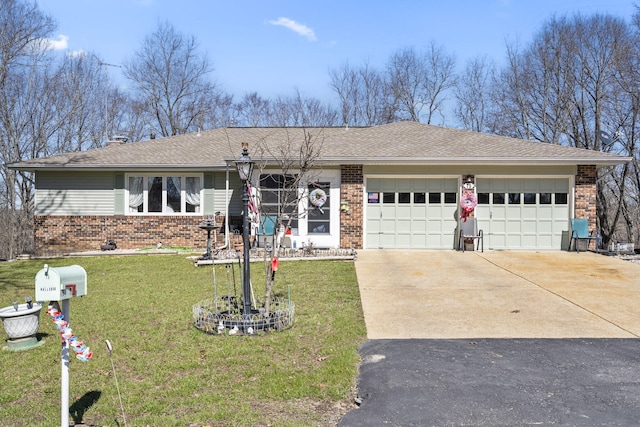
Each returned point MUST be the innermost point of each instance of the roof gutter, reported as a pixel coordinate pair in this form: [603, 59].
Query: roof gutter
[335, 161]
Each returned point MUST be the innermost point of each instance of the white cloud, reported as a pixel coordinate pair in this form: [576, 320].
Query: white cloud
[300, 29]
[61, 43]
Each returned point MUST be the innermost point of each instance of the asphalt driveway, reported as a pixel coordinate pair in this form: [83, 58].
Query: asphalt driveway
[498, 339]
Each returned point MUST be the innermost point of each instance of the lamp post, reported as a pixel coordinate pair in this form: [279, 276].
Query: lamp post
[245, 168]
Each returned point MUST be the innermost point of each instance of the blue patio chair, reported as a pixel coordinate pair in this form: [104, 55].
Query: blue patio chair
[469, 230]
[266, 229]
[580, 231]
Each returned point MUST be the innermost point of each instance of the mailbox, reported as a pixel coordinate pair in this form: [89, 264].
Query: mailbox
[60, 283]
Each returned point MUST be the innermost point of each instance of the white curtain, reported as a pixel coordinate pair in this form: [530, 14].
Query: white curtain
[136, 195]
[192, 192]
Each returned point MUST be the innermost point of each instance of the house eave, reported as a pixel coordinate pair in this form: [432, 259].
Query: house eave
[337, 161]
[477, 161]
[117, 168]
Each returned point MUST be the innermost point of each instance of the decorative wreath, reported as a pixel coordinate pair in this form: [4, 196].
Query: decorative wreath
[318, 198]
[468, 203]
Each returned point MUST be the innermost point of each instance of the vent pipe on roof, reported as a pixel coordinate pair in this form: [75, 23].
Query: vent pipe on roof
[117, 140]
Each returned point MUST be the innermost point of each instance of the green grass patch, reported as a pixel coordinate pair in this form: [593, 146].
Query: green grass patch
[170, 373]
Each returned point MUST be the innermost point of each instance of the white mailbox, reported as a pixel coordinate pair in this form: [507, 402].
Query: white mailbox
[59, 283]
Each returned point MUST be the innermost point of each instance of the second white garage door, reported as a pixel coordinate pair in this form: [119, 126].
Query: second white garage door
[523, 213]
[416, 213]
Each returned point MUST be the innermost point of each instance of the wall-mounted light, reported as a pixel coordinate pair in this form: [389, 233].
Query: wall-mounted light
[469, 183]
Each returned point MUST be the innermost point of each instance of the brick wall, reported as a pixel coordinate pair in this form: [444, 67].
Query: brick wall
[585, 195]
[351, 220]
[56, 235]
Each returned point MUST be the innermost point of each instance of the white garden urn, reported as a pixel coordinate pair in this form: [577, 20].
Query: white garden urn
[21, 322]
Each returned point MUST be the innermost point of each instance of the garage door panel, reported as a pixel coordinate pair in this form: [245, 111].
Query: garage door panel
[545, 212]
[529, 212]
[403, 225]
[419, 226]
[419, 240]
[529, 241]
[403, 217]
[403, 211]
[538, 224]
[545, 227]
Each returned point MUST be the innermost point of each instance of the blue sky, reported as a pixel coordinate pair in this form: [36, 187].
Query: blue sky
[275, 47]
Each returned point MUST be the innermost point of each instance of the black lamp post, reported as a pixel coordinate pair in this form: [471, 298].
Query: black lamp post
[245, 168]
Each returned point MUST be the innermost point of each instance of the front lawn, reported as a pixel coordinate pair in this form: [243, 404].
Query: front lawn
[170, 373]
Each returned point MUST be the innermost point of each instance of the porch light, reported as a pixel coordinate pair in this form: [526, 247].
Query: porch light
[244, 163]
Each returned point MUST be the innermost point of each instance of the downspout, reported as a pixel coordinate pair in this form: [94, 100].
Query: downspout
[226, 210]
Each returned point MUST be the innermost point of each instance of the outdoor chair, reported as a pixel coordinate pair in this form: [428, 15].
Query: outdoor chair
[266, 230]
[469, 230]
[580, 231]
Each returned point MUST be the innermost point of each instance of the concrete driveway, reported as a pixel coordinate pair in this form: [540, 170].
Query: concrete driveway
[490, 353]
[498, 294]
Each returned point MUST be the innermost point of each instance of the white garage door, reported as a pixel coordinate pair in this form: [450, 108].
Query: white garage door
[411, 213]
[523, 213]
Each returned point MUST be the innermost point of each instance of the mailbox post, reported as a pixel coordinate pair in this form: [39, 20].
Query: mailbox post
[56, 285]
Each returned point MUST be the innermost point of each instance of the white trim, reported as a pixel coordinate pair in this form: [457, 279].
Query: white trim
[331, 239]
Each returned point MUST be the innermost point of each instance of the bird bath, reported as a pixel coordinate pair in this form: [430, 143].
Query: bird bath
[21, 323]
[208, 224]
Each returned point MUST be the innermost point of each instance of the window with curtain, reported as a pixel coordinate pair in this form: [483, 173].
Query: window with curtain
[159, 194]
[136, 195]
[192, 193]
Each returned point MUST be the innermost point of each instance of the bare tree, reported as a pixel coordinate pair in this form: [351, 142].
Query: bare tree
[23, 109]
[253, 110]
[569, 85]
[299, 111]
[290, 164]
[363, 95]
[473, 94]
[419, 81]
[172, 79]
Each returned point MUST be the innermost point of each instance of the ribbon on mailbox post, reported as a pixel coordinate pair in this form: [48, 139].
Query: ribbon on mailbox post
[83, 353]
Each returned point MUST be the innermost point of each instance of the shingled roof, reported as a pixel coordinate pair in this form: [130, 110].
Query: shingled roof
[395, 143]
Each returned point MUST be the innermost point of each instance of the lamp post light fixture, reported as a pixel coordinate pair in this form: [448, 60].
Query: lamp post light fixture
[245, 168]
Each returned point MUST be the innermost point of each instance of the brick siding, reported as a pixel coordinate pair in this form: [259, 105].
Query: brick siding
[585, 195]
[351, 220]
[57, 235]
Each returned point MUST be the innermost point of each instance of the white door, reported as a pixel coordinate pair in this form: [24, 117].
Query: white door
[523, 213]
[416, 213]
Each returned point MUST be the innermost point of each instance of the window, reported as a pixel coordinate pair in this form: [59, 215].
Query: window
[404, 198]
[435, 197]
[373, 197]
[419, 198]
[388, 197]
[498, 198]
[545, 198]
[561, 198]
[529, 198]
[483, 198]
[319, 217]
[450, 198]
[159, 194]
[514, 198]
[279, 197]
